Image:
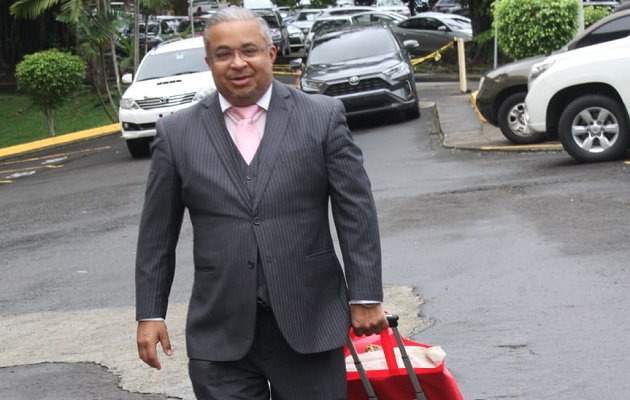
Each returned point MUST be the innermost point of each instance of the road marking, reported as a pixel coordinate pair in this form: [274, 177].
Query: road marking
[21, 174]
[7, 181]
[54, 160]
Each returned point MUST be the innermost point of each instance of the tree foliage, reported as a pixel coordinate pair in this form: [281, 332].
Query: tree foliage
[594, 14]
[531, 27]
[49, 77]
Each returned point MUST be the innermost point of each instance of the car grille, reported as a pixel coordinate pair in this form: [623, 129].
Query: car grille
[166, 101]
[340, 89]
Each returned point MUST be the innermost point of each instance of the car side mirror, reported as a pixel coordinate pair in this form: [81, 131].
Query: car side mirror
[127, 79]
[297, 63]
[410, 44]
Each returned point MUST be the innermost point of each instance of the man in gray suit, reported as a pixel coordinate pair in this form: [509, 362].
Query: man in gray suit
[271, 306]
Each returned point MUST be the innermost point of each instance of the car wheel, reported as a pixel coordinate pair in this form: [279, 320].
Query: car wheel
[412, 113]
[512, 122]
[594, 128]
[139, 148]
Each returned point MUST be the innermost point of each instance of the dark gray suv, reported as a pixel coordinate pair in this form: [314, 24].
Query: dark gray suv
[502, 91]
[365, 67]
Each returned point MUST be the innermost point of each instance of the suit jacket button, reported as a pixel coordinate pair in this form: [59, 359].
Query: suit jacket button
[251, 264]
[257, 221]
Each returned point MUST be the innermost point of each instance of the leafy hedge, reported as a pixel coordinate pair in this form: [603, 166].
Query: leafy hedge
[531, 27]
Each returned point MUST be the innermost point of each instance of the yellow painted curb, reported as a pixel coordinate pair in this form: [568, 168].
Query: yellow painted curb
[58, 140]
[473, 100]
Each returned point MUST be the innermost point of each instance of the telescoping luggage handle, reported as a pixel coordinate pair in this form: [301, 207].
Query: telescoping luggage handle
[393, 323]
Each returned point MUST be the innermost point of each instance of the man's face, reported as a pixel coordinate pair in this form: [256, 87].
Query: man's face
[241, 81]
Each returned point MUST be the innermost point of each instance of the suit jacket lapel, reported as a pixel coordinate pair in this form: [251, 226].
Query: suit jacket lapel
[276, 126]
[214, 125]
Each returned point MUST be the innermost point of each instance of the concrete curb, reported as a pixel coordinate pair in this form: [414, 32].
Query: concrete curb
[59, 140]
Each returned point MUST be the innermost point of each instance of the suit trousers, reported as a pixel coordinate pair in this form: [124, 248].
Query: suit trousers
[271, 368]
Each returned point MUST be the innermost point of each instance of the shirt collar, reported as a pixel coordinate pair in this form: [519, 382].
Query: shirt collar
[263, 102]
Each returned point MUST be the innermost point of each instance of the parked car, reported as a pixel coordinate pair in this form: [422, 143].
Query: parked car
[170, 77]
[345, 10]
[327, 23]
[185, 29]
[433, 30]
[446, 6]
[150, 33]
[279, 32]
[258, 4]
[169, 23]
[365, 67]
[396, 6]
[502, 91]
[205, 5]
[296, 38]
[304, 19]
[378, 17]
[584, 97]
[612, 4]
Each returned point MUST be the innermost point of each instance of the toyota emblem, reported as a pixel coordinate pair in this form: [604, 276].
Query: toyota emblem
[354, 80]
[164, 99]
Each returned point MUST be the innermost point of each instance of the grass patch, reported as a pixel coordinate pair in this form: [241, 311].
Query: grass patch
[23, 122]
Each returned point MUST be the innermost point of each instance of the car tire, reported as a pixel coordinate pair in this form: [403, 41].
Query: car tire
[512, 122]
[605, 136]
[412, 113]
[139, 148]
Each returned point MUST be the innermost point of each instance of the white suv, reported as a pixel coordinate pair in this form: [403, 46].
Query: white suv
[170, 77]
[583, 95]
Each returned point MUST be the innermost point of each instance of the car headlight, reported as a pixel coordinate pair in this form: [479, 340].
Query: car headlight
[539, 68]
[129, 104]
[397, 71]
[201, 94]
[310, 84]
[305, 31]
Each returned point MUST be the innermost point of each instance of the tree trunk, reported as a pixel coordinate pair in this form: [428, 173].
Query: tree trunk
[106, 84]
[50, 119]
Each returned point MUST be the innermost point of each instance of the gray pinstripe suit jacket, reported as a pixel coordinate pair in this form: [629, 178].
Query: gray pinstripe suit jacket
[306, 161]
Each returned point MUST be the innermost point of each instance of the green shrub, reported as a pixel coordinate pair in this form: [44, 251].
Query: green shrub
[594, 14]
[49, 77]
[531, 27]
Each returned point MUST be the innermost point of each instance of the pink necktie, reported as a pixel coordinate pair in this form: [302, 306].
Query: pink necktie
[247, 138]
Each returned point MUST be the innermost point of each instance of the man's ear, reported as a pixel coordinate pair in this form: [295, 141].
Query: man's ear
[273, 52]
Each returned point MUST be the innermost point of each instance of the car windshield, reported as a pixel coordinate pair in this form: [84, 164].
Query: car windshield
[388, 3]
[352, 46]
[322, 25]
[457, 23]
[173, 63]
[271, 20]
[307, 15]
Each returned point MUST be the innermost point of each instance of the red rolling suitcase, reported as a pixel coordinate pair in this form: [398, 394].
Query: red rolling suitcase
[393, 382]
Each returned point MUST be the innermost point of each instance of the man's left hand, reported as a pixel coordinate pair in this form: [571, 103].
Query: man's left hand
[367, 320]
